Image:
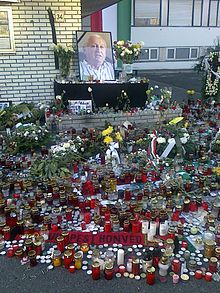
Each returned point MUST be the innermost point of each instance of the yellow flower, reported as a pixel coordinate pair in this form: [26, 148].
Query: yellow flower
[176, 120]
[118, 136]
[108, 139]
[139, 140]
[107, 131]
[190, 92]
[217, 171]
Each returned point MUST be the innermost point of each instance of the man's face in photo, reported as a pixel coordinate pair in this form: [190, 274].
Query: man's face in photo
[95, 51]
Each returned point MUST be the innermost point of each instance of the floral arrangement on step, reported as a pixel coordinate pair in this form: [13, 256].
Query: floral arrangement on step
[126, 51]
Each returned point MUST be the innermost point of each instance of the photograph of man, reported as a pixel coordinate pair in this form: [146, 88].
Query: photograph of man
[96, 57]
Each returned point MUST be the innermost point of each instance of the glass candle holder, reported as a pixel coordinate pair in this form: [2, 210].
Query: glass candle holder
[84, 247]
[32, 258]
[68, 257]
[108, 271]
[57, 258]
[150, 275]
[60, 243]
[136, 266]
[96, 271]
[78, 260]
[213, 265]
[209, 248]
[65, 235]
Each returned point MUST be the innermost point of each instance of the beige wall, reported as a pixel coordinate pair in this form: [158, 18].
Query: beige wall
[28, 74]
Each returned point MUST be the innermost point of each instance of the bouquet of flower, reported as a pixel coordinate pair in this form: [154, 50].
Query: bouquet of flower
[27, 137]
[20, 113]
[65, 54]
[126, 51]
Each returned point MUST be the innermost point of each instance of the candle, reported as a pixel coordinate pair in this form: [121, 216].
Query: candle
[136, 266]
[107, 226]
[78, 260]
[120, 257]
[60, 243]
[108, 272]
[150, 276]
[129, 265]
[96, 270]
[198, 274]
[208, 276]
[32, 258]
[72, 269]
[121, 269]
[176, 266]
[213, 264]
[57, 260]
[144, 228]
[175, 279]
[68, 257]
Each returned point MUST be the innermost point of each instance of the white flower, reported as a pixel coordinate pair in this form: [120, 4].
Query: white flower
[36, 138]
[66, 145]
[161, 139]
[183, 140]
[89, 89]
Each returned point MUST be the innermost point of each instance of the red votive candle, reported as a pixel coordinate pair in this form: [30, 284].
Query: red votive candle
[198, 274]
[184, 244]
[150, 275]
[10, 252]
[121, 269]
[54, 228]
[87, 217]
[135, 227]
[60, 243]
[72, 269]
[127, 195]
[107, 226]
[68, 257]
[107, 216]
[83, 225]
[208, 276]
[96, 270]
[176, 266]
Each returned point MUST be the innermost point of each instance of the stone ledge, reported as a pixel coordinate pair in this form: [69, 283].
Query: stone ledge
[98, 120]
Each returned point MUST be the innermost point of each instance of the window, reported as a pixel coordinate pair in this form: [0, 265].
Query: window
[170, 53]
[197, 13]
[6, 30]
[180, 12]
[194, 53]
[213, 12]
[182, 53]
[147, 12]
[149, 54]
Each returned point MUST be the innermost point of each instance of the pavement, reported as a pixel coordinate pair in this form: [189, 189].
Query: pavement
[179, 80]
[21, 279]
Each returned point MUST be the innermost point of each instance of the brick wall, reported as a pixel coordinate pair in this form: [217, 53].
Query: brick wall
[142, 119]
[27, 75]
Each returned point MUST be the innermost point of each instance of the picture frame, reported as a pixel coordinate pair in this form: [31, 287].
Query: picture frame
[79, 106]
[5, 104]
[7, 43]
[95, 56]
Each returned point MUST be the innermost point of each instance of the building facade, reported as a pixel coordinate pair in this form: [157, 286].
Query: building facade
[175, 32]
[27, 67]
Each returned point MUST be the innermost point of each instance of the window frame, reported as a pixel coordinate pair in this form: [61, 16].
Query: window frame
[168, 16]
[134, 15]
[184, 59]
[149, 59]
[8, 9]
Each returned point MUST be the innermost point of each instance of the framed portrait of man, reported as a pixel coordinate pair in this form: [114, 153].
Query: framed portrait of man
[95, 55]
